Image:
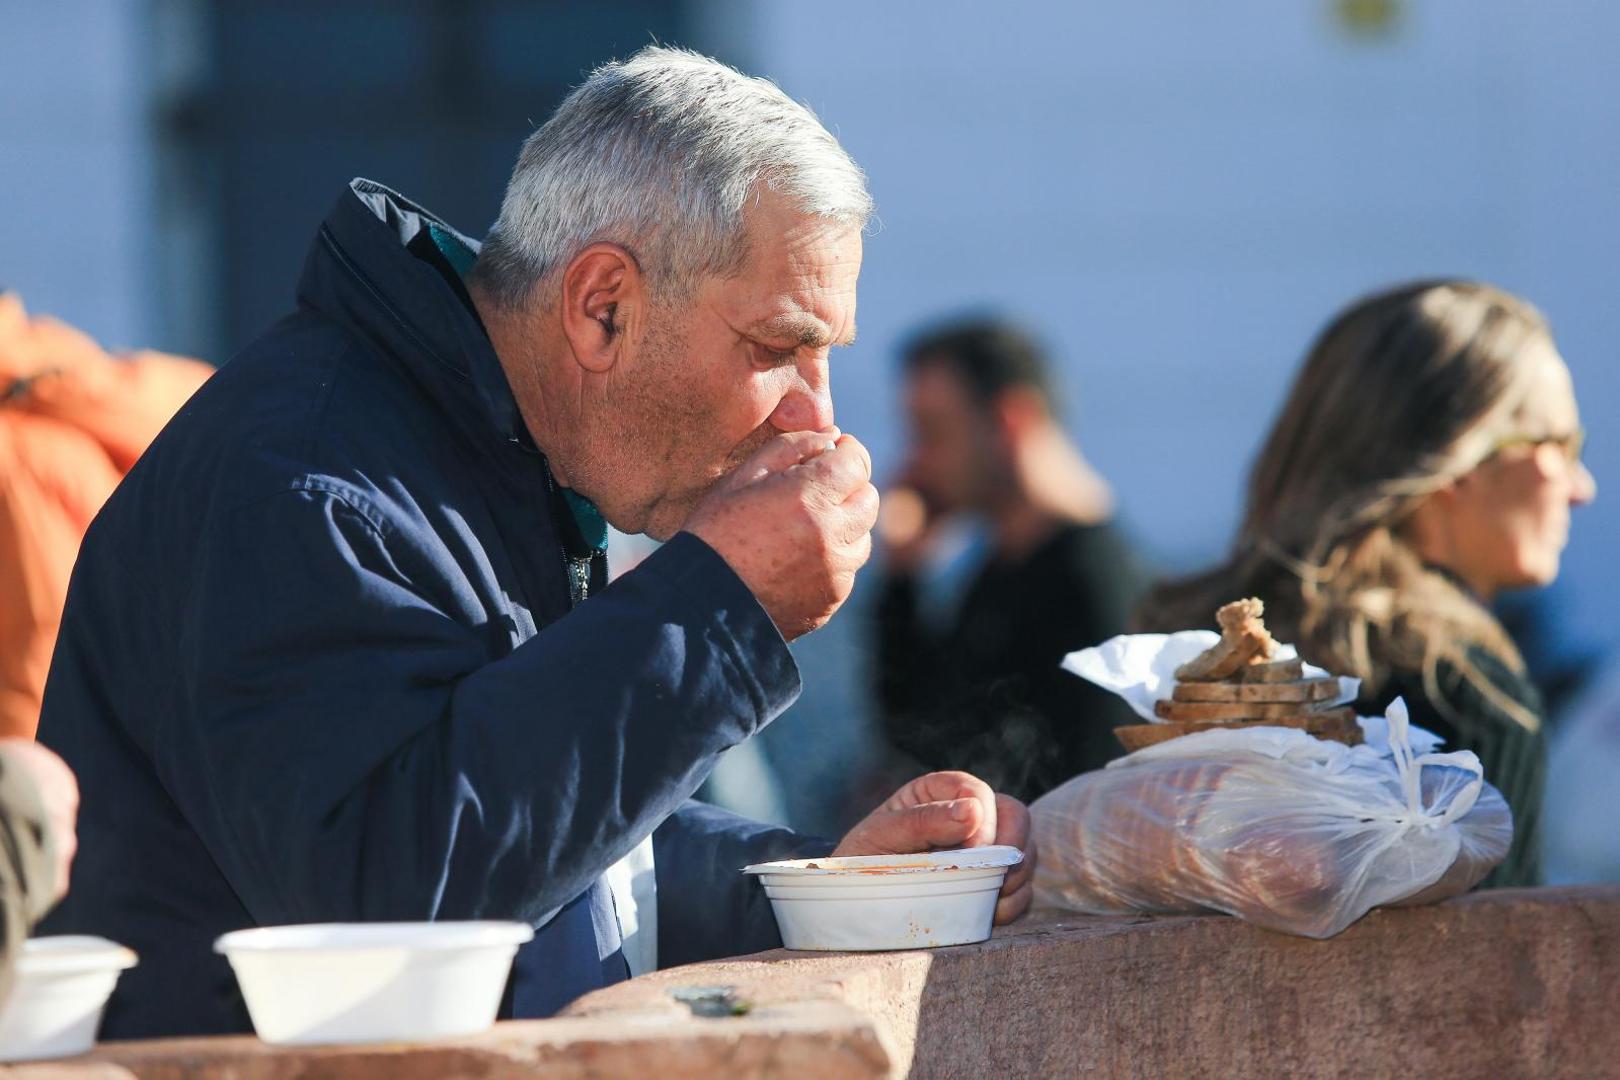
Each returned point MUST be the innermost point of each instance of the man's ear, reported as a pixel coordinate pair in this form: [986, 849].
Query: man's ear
[603, 298]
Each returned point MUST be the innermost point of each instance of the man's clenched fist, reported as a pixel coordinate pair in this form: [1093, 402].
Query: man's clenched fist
[795, 521]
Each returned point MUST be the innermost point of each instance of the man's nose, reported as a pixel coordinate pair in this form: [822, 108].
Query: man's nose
[807, 405]
[1584, 489]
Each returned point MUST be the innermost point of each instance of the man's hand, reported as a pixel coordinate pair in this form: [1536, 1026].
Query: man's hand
[945, 810]
[908, 529]
[58, 794]
[795, 522]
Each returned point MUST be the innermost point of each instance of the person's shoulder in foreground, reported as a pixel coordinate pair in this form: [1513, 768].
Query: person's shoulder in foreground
[73, 419]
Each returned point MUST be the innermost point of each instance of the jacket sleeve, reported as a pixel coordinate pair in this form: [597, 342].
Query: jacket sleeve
[350, 751]
[27, 864]
[707, 908]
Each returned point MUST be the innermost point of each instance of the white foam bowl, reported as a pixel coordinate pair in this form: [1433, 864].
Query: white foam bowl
[874, 902]
[372, 982]
[62, 986]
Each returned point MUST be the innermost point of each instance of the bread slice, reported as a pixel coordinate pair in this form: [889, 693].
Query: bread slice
[1233, 710]
[1338, 725]
[1243, 640]
[1266, 671]
[1220, 661]
[1303, 691]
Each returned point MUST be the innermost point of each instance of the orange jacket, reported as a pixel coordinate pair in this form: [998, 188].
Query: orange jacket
[72, 421]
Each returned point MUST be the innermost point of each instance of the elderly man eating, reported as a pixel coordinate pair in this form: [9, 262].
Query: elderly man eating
[341, 646]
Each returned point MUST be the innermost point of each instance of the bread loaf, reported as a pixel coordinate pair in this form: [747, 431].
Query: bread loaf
[1281, 846]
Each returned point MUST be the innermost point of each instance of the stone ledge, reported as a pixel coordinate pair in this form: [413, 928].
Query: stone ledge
[818, 1038]
[1509, 983]
[1513, 983]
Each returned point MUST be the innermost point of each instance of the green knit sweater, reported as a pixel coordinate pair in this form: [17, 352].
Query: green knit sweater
[1514, 757]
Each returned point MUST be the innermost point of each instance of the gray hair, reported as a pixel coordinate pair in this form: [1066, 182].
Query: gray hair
[661, 154]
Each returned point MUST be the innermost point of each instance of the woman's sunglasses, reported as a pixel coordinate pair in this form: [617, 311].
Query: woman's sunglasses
[1571, 443]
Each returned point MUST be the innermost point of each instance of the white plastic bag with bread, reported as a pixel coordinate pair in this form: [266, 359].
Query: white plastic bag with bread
[1281, 829]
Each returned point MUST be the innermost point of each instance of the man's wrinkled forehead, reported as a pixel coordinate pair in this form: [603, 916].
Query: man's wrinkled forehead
[800, 280]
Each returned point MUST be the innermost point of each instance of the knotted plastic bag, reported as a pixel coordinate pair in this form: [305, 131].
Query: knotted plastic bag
[1281, 829]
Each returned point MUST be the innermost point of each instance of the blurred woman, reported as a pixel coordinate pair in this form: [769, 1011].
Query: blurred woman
[1427, 458]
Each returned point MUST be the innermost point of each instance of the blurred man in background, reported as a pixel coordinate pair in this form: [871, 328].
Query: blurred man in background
[73, 419]
[982, 690]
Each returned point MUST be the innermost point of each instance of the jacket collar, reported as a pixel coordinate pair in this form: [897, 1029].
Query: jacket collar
[362, 272]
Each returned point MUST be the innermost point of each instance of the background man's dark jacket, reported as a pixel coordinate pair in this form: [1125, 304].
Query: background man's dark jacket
[984, 690]
[320, 662]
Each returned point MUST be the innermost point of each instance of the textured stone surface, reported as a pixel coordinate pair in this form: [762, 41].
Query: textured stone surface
[1490, 986]
[1508, 984]
[1503, 984]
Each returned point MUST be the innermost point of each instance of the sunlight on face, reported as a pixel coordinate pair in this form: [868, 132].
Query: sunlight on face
[1511, 515]
[746, 358]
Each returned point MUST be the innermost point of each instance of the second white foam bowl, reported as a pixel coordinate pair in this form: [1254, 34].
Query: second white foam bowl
[62, 986]
[372, 982]
[875, 902]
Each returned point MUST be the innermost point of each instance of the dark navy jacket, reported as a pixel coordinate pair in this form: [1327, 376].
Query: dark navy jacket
[319, 663]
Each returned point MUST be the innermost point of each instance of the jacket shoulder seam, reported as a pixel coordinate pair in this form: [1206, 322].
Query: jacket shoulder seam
[374, 518]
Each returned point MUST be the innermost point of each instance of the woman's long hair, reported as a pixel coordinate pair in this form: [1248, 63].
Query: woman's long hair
[1403, 393]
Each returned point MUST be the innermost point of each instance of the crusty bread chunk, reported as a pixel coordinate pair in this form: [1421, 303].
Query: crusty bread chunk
[1244, 640]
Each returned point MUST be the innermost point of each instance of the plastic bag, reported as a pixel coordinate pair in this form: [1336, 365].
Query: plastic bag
[1281, 829]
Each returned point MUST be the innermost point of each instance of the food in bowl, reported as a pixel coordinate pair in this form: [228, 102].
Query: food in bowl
[877, 902]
